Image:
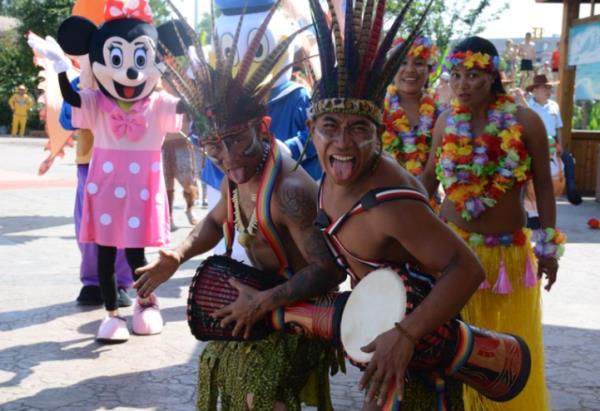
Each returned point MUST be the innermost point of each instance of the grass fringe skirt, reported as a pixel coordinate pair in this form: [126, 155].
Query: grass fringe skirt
[517, 312]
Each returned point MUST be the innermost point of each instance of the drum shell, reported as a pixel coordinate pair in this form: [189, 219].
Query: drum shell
[497, 365]
[210, 290]
[318, 318]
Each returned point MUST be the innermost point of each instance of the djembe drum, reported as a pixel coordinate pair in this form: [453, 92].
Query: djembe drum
[210, 290]
[495, 364]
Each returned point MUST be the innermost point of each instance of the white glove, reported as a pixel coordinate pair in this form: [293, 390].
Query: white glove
[51, 50]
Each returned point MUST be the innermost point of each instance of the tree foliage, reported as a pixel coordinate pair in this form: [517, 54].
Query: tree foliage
[449, 20]
[16, 59]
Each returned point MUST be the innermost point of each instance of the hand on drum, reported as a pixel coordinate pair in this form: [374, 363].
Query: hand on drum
[157, 272]
[392, 353]
[549, 267]
[245, 311]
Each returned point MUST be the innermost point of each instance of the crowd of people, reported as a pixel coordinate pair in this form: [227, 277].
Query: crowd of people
[379, 156]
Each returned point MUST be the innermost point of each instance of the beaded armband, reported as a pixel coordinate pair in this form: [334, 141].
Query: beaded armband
[549, 243]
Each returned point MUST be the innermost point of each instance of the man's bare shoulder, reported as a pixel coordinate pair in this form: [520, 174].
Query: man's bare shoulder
[295, 193]
[391, 174]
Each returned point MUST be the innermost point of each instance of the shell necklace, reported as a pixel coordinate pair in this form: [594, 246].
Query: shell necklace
[246, 234]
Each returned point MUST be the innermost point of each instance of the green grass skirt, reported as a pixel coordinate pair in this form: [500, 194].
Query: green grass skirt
[280, 368]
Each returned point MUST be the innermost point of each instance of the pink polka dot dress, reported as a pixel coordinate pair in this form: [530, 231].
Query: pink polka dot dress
[125, 202]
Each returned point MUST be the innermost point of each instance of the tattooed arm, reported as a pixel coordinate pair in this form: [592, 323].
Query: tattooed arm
[294, 210]
[297, 208]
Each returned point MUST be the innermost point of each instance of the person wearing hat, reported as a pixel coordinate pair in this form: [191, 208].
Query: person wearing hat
[549, 112]
[267, 207]
[375, 213]
[20, 103]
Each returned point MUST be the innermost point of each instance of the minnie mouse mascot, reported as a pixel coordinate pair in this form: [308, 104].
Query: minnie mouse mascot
[125, 204]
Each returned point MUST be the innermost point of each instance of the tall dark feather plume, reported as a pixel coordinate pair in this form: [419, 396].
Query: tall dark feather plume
[367, 21]
[246, 61]
[339, 50]
[350, 48]
[372, 46]
[266, 89]
[389, 38]
[359, 8]
[326, 50]
[393, 65]
[270, 62]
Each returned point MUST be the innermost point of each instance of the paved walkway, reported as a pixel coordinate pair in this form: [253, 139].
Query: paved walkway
[49, 360]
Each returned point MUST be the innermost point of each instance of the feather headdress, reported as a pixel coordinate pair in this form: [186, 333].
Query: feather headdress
[219, 101]
[358, 64]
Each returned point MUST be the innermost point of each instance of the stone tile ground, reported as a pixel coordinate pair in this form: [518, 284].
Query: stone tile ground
[49, 360]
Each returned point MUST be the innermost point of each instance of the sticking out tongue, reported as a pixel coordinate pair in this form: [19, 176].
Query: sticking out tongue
[236, 174]
[128, 91]
[342, 169]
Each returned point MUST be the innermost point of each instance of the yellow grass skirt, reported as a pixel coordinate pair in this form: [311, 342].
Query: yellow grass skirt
[518, 312]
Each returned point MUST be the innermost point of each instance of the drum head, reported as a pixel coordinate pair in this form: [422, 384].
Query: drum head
[376, 303]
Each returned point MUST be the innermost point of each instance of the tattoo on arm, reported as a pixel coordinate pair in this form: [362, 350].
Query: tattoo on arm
[317, 278]
[298, 204]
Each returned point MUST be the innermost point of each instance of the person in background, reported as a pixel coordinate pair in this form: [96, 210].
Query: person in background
[555, 61]
[443, 92]
[487, 148]
[20, 103]
[528, 56]
[561, 161]
[510, 58]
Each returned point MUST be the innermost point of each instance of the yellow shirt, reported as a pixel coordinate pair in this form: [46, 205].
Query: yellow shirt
[20, 104]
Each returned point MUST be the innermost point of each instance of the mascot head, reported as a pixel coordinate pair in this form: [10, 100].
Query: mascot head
[122, 51]
[254, 13]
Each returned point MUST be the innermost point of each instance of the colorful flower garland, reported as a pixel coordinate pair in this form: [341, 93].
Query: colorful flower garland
[470, 60]
[476, 171]
[549, 243]
[410, 147]
[421, 47]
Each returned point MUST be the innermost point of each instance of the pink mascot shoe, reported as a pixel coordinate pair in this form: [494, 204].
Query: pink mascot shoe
[146, 317]
[113, 330]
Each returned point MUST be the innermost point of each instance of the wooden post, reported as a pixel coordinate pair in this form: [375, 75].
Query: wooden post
[566, 89]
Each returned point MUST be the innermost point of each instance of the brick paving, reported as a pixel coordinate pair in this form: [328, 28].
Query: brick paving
[49, 360]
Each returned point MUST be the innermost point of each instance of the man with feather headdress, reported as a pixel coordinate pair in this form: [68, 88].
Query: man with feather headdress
[271, 205]
[365, 194]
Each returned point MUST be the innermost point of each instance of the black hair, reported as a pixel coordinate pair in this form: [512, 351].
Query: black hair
[481, 45]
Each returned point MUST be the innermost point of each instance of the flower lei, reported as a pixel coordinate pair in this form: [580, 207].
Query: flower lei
[470, 60]
[549, 243]
[477, 171]
[409, 147]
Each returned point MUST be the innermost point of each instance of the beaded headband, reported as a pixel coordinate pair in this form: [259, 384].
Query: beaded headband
[349, 106]
[470, 60]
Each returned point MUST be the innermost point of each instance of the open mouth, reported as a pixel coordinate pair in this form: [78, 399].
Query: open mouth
[128, 92]
[342, 166]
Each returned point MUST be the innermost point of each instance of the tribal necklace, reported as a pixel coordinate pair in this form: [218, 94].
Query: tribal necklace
[246, 234]
[476, 171]
[409, 146]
